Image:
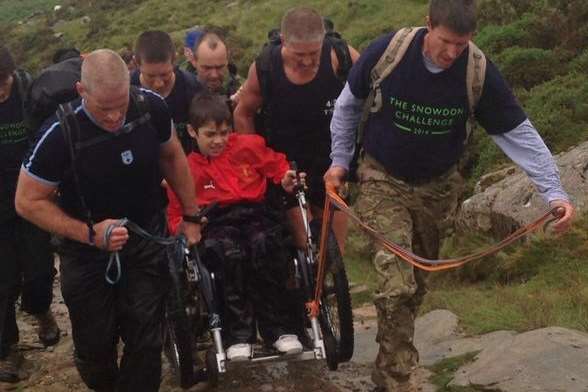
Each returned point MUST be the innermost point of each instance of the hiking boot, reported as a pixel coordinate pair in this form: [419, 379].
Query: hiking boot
[9, 366]
[48, 330]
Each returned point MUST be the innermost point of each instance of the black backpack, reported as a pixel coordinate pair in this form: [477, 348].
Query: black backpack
[54, 85]
[263, 66]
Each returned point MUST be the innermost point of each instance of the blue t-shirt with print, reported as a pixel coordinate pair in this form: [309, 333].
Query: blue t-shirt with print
[420, 130]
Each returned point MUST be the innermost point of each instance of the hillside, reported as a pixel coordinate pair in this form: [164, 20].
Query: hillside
[540, 45]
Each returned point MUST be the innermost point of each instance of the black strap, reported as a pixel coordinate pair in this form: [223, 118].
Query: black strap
[23, 84]
[69, 126]
[343, 56]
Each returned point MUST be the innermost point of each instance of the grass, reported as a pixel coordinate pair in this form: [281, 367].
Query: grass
[444, 372]
[14, 11]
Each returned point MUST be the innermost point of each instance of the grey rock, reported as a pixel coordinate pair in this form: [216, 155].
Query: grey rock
[545, 360]
[506, 200]
[434, 327]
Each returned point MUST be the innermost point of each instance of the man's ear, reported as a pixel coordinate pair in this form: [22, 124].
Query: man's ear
[428, 23]
[191, 131]
[81, 89]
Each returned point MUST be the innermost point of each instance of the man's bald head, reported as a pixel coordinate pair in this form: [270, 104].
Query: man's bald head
[104, 69]
[104, 86]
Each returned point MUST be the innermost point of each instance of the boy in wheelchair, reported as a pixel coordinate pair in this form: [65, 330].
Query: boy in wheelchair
[243, 240]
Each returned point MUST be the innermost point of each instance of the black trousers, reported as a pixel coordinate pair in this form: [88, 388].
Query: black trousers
[26, 266]
[245, 247]
[131, 310]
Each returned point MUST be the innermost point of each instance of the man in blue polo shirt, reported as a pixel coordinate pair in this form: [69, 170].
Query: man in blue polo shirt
[409, 182]
[123, 145]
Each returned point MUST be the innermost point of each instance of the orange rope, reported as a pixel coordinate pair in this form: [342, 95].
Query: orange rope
[334, 200]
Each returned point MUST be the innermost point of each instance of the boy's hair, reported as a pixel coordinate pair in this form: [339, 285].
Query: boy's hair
[7, 65]
[155, 47]
[207, 107]
[458, 16]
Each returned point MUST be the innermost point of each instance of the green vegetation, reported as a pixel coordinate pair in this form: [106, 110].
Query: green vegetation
[14, 11]
[445, 370]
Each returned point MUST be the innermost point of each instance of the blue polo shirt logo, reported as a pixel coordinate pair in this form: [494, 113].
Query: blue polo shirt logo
[127, 157]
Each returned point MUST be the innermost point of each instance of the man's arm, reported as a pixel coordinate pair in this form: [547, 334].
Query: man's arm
[35, 201]
[176, 172]
[346, 118]
[524, 146]
[250, 100]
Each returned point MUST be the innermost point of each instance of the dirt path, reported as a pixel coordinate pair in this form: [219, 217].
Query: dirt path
[52, 369]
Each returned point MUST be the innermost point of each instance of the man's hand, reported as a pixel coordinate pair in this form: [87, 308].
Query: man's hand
[192, 231]
[565, 213]
[334, 176]
[290, 181]
[118, 236]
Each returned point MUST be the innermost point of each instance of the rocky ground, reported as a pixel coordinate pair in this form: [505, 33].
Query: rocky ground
[546, 360]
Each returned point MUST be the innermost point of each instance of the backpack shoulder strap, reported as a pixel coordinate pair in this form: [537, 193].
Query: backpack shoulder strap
[23, 84]
[263, 68]
[343, 56]
[475, 76]
[70, 127]
[388, 61]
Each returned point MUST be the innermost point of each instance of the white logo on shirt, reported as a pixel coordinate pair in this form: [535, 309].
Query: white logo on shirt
[127, 157]
[210, 185]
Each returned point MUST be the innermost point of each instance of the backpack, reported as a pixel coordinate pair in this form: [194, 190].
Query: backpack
[263, 66]
[70, 128]
[54, 85]
[475, 75]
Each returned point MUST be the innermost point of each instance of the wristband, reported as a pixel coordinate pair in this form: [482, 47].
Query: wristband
[196, 218]
[91, 234]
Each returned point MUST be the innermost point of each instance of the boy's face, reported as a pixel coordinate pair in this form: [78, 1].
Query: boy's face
[211, 137]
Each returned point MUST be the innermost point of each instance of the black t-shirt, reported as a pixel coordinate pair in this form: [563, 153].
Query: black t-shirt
[300, 115]
[119, 177]
[13, 146]
[420, 131]
[178, 101]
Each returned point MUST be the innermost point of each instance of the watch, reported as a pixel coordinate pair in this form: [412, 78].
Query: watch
[196, 218]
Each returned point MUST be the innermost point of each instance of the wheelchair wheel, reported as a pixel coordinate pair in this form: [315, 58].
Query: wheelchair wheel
[211, 367]
[178, 343]
[336, 311]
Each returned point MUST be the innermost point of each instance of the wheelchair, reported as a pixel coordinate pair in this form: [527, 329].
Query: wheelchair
[194, 309]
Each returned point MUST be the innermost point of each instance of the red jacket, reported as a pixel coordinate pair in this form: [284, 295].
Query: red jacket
[237, 175]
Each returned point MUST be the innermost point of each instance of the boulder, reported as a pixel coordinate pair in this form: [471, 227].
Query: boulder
[506, 200]
[544, 360]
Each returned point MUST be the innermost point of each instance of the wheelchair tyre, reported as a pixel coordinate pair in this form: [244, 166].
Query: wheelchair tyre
[336, 309]
[211, 367]
[178, 346]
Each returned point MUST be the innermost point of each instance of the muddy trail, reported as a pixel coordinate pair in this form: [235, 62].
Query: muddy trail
[52, 369]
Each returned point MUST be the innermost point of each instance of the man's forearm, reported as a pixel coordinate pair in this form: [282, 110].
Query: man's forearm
[177, 174]
[346, 118]
[524, 146]
[50, 217]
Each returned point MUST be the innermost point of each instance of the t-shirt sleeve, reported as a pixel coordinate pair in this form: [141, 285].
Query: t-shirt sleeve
[48, 158]
[359, 76]
[160, 116]
[498, 110]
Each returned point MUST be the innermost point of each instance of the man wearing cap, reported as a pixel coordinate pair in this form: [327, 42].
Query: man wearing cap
[209, 61]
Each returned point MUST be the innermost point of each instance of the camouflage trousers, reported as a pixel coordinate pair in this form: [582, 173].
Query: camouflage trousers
[414, 216]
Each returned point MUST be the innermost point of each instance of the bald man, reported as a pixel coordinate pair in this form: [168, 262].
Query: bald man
[122, 155]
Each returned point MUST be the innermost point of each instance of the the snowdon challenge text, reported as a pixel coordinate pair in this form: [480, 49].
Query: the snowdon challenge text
[424, 120]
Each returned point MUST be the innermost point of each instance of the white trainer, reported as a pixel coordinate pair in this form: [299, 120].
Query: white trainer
[288, 344]
[239, 352]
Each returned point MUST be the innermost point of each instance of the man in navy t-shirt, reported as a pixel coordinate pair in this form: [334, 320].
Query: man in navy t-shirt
[155, 55]
[124, 146]
[409, 182]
